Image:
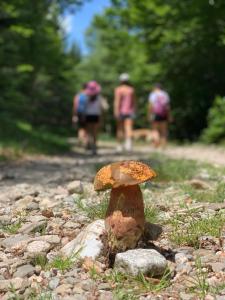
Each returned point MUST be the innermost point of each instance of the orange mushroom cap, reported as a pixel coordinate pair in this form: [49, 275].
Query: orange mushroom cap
[122, 173]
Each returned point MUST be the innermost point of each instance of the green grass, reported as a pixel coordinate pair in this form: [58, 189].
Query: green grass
[11, 228]
[151, 214]
[199, 281]
[62, 263]
[132, 287]
[93, 211]
[40, 260]
[17, 137]
[169, 169]
[215, 195]
[186, 231]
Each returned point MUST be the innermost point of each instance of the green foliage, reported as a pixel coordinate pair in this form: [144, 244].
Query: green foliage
[12, 228]
[187, 232]
[167, 42]
[215, 131]
[37, 73]
[23, 137]
[93, 211]
[63, 263]
[168, 169]
[131, 287]
[216, 194]
[40, 260]
[151, 214]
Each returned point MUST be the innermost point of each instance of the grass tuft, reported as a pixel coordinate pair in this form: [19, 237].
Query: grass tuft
[151, 214]
[12, 228]
[188, 233]
[216, 195]
[93, 211]
[132, 287]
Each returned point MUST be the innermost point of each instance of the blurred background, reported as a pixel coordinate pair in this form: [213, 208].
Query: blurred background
[48, 49]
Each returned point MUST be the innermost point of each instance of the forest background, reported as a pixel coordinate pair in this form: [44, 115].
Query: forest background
[178, 43]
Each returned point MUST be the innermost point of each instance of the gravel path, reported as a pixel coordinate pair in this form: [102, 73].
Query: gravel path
[50, 171]
[48, 212]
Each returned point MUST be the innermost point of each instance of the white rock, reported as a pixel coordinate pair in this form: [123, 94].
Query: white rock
[75, 187]
[146, 261]
[17, 283]
[88, 242]
[38, 246]
[15, 241]
[31, 227]
[47, 203]
[22, 203]
[52, 239]
[24, 271]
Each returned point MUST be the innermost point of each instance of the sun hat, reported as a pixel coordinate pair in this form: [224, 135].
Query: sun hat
[93, 88]
[124, 77]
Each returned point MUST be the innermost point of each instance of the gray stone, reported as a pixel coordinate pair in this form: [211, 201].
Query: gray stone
[88, 242]
[180, 258]
[15, 240]
[88, 285]
[38, 247]
[24, 271]
[146, 261]
[75, 187]
[37, 218]
[63, 289]
[33, 206]
[69, 280]
[52, 239]
[5, 220]
[71, 224]
[218, 267]
[184, 296]
[16, 283]
[32, 227]
[183, 268]
[24, 202]
[152, 231]
[106, 295]
[53, 283]
[104, 286]
[47, 203]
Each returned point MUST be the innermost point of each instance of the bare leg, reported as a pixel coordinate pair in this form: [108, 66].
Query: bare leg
[163, 133]
[82, 136]
[156, 134]
[120, 134]
[128, 129]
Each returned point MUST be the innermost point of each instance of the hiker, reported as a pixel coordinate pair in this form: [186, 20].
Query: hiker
[79, 118]
[159, 114]
[93, 114]
[124, 111]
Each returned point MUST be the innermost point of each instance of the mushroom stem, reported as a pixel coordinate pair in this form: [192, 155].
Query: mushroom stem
[125, 217]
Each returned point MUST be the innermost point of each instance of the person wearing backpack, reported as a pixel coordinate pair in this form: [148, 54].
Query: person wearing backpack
[94, 110]
[159, 114]
[79, 114]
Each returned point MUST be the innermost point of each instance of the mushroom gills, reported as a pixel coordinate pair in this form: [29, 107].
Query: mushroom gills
[125, 217]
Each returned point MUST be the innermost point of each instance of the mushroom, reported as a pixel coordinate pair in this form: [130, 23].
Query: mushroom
[125, 218]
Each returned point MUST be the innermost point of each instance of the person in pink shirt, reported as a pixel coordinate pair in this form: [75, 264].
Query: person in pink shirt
[124, 112]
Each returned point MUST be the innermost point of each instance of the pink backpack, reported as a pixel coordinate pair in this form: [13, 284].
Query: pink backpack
[160, 105]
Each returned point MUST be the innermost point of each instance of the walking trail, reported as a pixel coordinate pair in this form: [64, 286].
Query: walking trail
[54, 170]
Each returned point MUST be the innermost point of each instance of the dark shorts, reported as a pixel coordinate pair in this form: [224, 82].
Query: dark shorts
[81, 121]
[123, 117]
[92, 119]
[158, 118]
